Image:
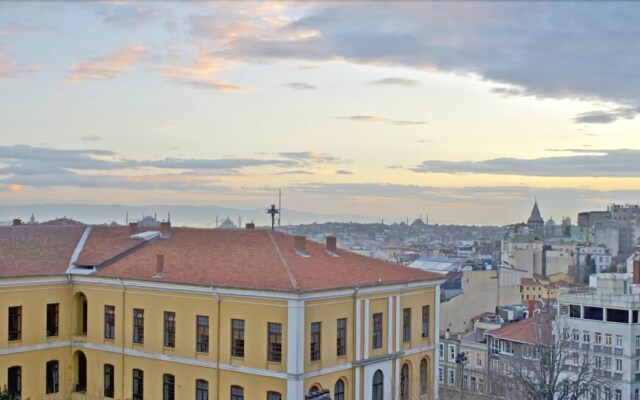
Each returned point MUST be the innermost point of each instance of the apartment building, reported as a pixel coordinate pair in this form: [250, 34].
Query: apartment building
[103, 312]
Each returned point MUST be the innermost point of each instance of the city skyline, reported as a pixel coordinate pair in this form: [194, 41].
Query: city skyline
[463, 111]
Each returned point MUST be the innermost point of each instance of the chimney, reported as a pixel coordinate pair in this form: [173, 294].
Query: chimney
[159, 265]
[636, 272]
[17, 222]
[331, 244]
[133, 228]
[165, 230]
[250, 225]
[300, 243]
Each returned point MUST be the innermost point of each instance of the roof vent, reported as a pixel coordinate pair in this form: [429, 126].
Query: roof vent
[17, 222]
[300, 243]
[159, 266]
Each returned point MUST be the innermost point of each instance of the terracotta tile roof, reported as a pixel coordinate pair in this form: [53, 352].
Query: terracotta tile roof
[105, 242]
[526, 331]
[257, 259]
[37, 250]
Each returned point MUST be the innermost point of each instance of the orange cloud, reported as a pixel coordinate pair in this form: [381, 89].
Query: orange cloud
[108, 66]
[14, 187]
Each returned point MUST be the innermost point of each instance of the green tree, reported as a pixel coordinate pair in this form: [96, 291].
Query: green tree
[5, 395]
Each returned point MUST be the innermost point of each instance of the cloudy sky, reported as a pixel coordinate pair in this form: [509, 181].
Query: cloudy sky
[463, 111]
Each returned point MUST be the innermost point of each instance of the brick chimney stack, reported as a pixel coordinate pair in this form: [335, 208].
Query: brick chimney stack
[133, 228]
[331, 245]
[250, 225]
[159, 265]
[636, 272]
[300, 243]
[165, 230]
[17, 222]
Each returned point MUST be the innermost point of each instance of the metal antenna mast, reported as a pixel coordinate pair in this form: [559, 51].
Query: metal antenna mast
[273, 211]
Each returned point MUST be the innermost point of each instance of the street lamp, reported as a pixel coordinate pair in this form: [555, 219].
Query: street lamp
[461, 360]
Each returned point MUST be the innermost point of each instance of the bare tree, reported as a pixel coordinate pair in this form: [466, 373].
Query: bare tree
[552, 365]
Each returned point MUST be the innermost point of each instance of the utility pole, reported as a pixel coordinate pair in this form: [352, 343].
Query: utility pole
[461, 360]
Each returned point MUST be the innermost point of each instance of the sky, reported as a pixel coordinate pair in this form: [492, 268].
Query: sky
[466, 112]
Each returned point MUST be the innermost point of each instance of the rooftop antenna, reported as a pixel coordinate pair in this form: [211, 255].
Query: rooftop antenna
[279, 206]
[239, 221]
[127, 219]
[273, 211]
[216, 220]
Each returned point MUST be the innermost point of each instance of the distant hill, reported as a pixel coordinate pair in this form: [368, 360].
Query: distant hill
[187, 215]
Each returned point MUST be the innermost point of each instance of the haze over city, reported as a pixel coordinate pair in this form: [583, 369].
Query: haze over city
[466, 112]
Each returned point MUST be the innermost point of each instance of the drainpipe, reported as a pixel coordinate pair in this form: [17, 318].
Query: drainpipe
[355, 341]
[217, 341]
[123, 313]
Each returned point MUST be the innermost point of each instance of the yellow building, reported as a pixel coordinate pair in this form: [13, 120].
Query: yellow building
[162, 313]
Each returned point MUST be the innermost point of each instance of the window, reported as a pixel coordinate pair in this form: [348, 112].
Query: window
[478, 359]
[404, 382]
[109, 322]
[425, 321]
[424, 376]
[465, 381]
[452, 377]
[576, 335]
[138, 385]
[607, 339]
[618, 394]
[637, 342]
[315, 341]
[168, 387]
[586, 336]
[202, 334]
[138, 325]
[607, 363]
[237, 337]
[574, 311]
[169, 329]
[275, 342]
[618, 364]
[109, 380]
[52, 383]
[341, 337]
[377, 387]
[338, 390]
[271, 395]
[441, 351]
[452, 352]
[597, 338]
[202, 389]
[237, 393]
[52, 319]
[15, 323]
[481, 385]
[598, 360]
[618, 341]
[406, 325]
[440, 375]
[377, 330]
[595, 313]
[14, 381]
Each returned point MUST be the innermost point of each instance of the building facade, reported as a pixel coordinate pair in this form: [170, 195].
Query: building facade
[123, 313]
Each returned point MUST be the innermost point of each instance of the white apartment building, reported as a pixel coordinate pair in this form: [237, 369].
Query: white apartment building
[601, 255]
[605, 322]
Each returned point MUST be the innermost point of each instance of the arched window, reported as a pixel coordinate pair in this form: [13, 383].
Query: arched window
[202, 389]
[377, 387]
[137, 389]
[338, 390]
[404, 382]
[81, 372]
[52, 377]
[168, 387]
[237, 392]
[271, 395]
[109, 380]
[14, 381]
[424, 376]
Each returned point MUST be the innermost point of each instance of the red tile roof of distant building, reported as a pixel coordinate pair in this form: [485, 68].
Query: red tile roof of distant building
[532, 330]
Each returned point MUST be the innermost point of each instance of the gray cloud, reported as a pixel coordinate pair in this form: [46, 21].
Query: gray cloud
[555, 50]
[129, 15]
[378, 119]
[90, 138]
[607, 116]
[89, 159]
[309, 157]
[294, 172]
[212, 84]
[213, 164]
[396, 82]
[343, 172]
[584, 162]
[300, 86]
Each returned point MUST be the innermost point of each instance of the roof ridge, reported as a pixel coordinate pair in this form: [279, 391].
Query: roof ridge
[294, 283]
